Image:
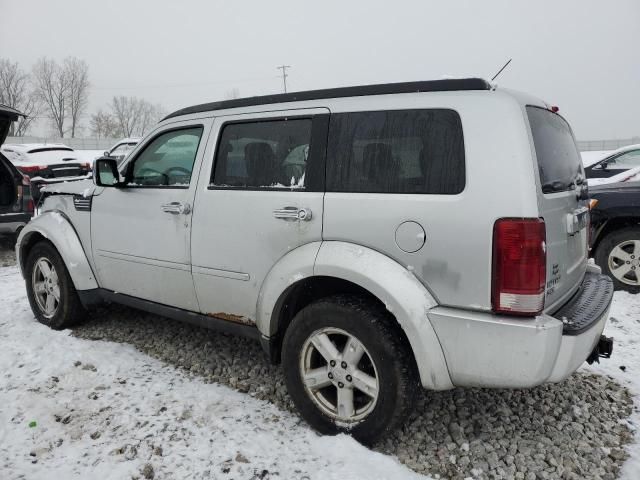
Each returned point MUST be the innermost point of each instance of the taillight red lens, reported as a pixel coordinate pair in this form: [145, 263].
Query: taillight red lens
[519, 266]
[28, 169]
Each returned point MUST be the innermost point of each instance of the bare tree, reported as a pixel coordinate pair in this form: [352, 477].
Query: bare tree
[52, 86]
[135, 116]
[232, 94]
[103, 125]
[76, 72]
[16, 92]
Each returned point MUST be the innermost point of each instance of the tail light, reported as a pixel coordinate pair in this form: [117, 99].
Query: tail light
[30, 170]
[519, 266]
[592, 204]
[24, 191]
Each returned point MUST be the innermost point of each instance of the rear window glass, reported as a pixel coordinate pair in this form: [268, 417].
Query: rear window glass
[402, 151]
[558, 157]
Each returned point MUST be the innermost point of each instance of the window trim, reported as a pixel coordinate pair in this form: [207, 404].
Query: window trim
[317, 147]
[391, 110]
[128, 173]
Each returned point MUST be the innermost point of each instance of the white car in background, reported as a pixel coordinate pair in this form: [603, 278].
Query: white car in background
[121, 149]
[47, 164]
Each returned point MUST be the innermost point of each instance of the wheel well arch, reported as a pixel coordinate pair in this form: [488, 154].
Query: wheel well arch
[28, 242]
[612, 225]
[308, 290]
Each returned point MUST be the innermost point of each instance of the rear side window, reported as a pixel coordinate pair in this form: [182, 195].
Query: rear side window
[559, 161]
[401, 151]
[263, 154]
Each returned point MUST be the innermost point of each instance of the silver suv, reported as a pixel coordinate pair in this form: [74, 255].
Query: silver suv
[373, 239]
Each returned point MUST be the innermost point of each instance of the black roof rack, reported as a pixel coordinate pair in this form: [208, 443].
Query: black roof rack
[447, 85]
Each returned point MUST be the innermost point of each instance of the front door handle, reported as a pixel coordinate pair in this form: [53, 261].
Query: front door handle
[293, 213]
[177, 208]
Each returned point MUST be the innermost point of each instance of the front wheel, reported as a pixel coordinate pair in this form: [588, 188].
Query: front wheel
[348, 368]
[619, 257]
[50, 290]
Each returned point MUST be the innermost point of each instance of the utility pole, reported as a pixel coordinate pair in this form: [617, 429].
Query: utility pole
[284, 75]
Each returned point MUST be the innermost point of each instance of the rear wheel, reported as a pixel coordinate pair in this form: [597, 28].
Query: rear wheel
[619, 257]
[50, 290]
[348, 369]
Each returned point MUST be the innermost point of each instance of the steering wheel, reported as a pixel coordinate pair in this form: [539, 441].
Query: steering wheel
[180, 170]
[146, 170]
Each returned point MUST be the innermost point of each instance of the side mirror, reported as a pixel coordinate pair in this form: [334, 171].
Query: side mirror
[105, 173]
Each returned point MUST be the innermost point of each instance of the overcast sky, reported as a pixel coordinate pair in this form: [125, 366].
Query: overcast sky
[583, 56]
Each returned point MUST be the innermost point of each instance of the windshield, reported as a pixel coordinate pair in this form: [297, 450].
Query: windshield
[559, 161]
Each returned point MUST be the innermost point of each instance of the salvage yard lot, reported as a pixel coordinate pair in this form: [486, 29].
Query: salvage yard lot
[130, 394]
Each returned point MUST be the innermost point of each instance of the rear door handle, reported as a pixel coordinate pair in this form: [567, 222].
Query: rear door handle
[293, 213]
[177, 208]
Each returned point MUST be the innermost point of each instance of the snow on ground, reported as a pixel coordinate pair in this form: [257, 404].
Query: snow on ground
[624, 365]
[73, 408]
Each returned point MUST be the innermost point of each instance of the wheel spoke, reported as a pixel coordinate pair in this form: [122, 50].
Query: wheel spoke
[317, 378]
[55, 292]
[621, 271]
[346, 408]
[50, 304]
[365, 383]
[39, 288]
[636, 247]
[353, 351]
[325, 346]
[620, 254]
[44, 268]
[54, 275]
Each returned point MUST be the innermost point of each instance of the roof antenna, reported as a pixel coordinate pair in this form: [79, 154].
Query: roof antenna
[500, 71]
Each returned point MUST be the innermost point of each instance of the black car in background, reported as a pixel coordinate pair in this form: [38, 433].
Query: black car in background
[615, 232]
[16, 204]
[617, 162]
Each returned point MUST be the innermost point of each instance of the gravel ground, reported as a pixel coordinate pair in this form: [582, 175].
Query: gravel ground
[573, 430]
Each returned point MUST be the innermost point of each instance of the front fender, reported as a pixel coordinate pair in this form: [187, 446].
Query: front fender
[56, 228]
[403, 295]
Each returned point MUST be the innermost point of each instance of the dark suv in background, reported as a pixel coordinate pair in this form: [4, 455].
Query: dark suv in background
[16, 204]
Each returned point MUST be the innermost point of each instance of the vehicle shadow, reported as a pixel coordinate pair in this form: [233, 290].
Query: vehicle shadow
[575, 429]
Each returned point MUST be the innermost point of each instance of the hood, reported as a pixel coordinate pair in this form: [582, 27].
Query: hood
[7, 115]
[77, 187]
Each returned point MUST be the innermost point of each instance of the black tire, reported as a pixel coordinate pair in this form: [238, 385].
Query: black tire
[69, 310]
[390, 354]
[608, 243]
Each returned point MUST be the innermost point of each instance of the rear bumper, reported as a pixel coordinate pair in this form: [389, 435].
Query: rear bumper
[486, 350]
[11, 223]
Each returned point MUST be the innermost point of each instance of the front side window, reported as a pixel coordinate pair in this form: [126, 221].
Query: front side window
[168, 160]
[627, 160]
[263, 154]
[403, 151]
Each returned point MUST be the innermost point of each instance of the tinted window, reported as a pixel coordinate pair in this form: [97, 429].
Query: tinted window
[267, 154]
[168, 159]
[406, 151]
[559, 161]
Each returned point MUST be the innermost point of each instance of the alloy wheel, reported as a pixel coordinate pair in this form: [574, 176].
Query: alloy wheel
[339, 375]
[46, 287]
[624, 262]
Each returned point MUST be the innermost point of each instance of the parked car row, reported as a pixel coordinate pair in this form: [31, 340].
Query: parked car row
[374, 239]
